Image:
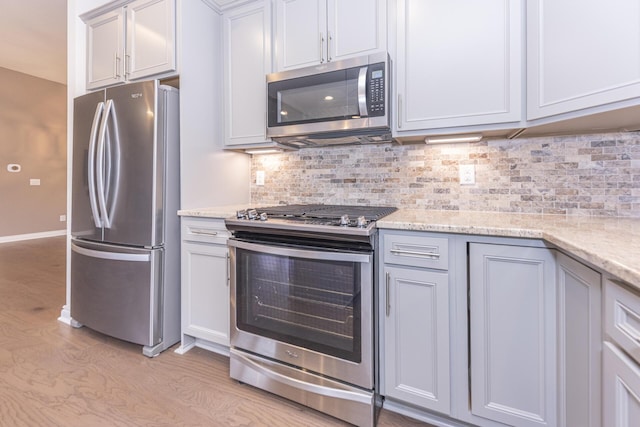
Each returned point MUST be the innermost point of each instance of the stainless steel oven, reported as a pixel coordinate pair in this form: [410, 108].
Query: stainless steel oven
[303, 311]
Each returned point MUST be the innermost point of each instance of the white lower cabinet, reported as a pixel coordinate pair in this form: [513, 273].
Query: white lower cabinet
[416, 320]
[512, 319]
[518, 343]
[205, 284]
[621, 356]
[621, 389]
[417, 337]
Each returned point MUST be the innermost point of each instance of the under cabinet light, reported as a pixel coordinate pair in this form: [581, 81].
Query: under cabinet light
[447, 139]
[263, 151]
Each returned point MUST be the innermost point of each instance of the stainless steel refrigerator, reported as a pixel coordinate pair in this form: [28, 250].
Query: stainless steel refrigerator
[125, 246]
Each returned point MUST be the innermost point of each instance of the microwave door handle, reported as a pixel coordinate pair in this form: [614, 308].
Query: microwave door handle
[362, 92]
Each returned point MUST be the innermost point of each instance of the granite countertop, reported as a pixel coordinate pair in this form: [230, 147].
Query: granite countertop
[219, 212]
[610, 244]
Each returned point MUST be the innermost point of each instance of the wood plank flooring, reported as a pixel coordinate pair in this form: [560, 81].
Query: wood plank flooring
[55, 375]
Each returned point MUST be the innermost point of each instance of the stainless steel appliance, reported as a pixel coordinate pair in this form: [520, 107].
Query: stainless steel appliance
[342, 102]
[303, 313]
[125, 247]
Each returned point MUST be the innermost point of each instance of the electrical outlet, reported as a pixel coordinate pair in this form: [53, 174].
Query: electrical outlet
[34, 181]
[259, 177]
[467, 174]
[63, 218]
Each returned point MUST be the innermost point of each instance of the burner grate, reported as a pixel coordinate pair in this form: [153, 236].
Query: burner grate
[371, 213]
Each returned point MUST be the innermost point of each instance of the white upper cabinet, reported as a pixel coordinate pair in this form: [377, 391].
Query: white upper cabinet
[310, 32]
[458, 63]
[132, 42]
[151, 35]
[105, 48]
[581, 54]
[247, 60]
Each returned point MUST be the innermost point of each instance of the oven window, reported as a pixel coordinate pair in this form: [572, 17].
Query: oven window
[309, 303]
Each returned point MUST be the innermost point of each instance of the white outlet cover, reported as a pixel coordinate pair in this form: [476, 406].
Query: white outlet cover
[259, 177]
[34, 181]
[467, 174]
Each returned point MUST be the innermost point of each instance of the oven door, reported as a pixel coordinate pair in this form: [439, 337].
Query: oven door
[307, 307]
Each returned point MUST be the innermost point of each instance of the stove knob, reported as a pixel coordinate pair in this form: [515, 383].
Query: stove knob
[263, 216]
[362, 222]
[241, 214]
[252, 214]
[344, 220]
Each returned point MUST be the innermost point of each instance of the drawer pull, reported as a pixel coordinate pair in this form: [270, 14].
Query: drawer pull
[429, 255]
[203, 232]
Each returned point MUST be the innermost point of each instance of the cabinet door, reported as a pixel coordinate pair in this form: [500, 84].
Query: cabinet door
[571, 65]
[247, 60]
[301, 33]
[416, 328]
[355, 27]
[458, 63]
[105, 49]
[205, 292]
[512, 333]
[621, 389]
[150, 38]
[579, 344]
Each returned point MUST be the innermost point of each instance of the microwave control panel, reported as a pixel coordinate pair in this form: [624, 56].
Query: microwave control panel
[376, 90]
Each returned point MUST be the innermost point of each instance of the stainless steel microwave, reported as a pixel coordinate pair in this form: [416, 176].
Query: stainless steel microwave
[336, 102]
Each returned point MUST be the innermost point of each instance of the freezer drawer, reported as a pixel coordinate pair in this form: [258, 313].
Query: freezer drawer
[118, 291]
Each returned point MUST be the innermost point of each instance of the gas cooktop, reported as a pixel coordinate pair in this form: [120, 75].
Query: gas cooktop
[314, 218]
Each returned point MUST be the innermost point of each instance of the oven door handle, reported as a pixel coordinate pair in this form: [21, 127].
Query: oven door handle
[301, 253]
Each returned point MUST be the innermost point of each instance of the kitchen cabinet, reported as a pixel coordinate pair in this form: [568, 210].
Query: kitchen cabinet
[621, 356]
[131, 42]
[579, 340]
[512, 327]
[205, 284]
[570, 65]
[311, 32]
[247, 60]
[457, 65]
[415, 311]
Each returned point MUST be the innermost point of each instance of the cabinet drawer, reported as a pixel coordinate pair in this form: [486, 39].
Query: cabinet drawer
[416, 251]
[204, 230]
[622, 317]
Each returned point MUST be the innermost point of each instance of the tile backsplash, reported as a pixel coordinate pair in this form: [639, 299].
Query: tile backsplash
[594, 175]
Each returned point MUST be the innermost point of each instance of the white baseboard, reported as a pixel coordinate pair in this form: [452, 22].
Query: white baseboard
[31, 236]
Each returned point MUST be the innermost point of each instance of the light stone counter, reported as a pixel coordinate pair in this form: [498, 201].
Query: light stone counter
[610, 244]
[220, 212]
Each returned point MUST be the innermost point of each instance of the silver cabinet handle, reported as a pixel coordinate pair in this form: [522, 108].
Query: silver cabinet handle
[329, 38]
[429, 255]
[200, 232]
[127, 65]
[399, 111]
[388, 278]
[228, 269]
[322, 48]
[116, 65]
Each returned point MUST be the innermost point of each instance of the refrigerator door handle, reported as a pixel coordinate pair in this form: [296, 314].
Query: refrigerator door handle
[91, 165]
[100, 161]
[110, 255]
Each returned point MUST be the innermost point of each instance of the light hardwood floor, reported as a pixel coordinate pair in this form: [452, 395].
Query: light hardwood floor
[55, 375]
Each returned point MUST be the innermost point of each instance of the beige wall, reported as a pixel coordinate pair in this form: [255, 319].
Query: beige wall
[32, 134]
